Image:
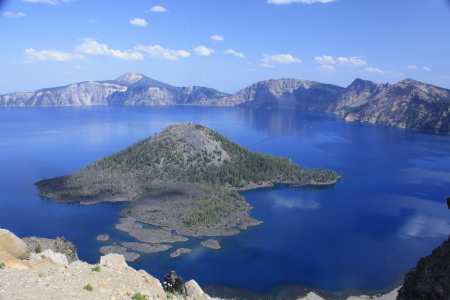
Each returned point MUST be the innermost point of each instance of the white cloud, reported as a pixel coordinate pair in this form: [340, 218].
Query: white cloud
[301, 1]
[280, 59]
[267, 65]
[426, 68]
[95, 48]
[231, 51]
[352, 61]
[159, 52]
[412, 67]
[372, 70]
[328, 60]
[327, 68]
[217, 38]
[92, 21]
[379, 71]
[158, 8]
[52, 55]
[11, 15]
[202, 50]
[78, 67]
[139, 22]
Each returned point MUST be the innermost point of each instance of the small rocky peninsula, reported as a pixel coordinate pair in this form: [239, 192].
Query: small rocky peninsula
[182, 182]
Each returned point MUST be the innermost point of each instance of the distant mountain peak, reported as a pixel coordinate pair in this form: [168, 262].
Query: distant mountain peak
[140, 80]
[410, 81]
[130, 78]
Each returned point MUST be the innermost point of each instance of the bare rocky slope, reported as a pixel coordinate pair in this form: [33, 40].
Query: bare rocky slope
[26, 275]
[406, 104]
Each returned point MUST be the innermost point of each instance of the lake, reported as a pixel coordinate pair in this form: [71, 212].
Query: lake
[363, 233]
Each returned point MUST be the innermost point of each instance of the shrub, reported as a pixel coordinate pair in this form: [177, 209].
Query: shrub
[96, 268]
[88, 287]
[169, 295]
[139, 296]
[41, 275]
[2, 264]
[38, 248]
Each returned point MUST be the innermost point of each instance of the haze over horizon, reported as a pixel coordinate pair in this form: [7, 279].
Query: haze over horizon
[226, 45]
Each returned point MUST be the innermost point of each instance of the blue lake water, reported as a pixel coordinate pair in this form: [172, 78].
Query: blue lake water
[364, 232]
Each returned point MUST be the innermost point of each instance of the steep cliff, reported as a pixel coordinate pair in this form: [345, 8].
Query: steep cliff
[407, 104]
[285, 93]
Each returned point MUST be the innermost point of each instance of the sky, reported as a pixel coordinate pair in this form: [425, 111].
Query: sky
[223, 44]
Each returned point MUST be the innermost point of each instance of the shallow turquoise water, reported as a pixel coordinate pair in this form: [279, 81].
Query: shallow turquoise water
[364, 232]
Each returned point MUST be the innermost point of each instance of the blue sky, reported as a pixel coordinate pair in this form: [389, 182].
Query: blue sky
[223, 44]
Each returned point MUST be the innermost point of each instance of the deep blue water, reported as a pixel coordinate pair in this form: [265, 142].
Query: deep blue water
[364, 232]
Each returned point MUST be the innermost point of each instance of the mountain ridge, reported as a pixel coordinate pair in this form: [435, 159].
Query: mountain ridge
[407, 104]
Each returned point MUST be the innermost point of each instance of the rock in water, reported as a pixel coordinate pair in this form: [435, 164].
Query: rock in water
[102, 237]
[430, 279]
[211, 244]
[174, 284]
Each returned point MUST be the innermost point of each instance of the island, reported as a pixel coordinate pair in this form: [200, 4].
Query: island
[182, 182]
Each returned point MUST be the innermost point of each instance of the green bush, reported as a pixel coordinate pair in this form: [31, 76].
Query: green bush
[169, 295]
[139, 296]
[2, 264]
[96, 268]
[38, 248]
[88, 287]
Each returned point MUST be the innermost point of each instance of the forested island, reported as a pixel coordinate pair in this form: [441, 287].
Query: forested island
[183, 181]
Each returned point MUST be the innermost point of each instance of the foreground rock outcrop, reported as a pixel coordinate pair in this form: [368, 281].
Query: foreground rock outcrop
[430, 279]
[58, 245]
[48, 275]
